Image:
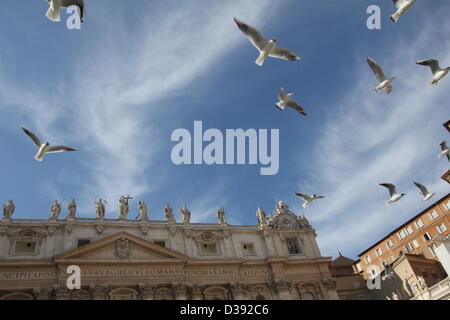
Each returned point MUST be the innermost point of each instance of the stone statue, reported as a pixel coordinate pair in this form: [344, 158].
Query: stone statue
[186, 214]
[422, 282]
[304, 222]
[281, 207]
[123, 207]
[99, 209]
[388, 298]
[55, 210]
[261, 215]
[8, 209]
[221, 215]
[143, 211]
[169, 215]
[395, 296]
[71, 209]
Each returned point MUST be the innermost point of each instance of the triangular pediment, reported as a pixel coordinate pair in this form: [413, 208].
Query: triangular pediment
[119, 248]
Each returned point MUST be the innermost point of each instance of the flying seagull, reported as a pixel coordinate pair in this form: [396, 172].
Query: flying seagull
[445, 151]
[402, 6]
[436, 70]
[385, 83]
[44, 147]
[266, 48]
[55, 6]
[394, 195]
[427, 195]
[308, 199]
[286, 101]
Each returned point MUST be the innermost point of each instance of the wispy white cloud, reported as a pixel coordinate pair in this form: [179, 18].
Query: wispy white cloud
[381, 138]
[123, 82]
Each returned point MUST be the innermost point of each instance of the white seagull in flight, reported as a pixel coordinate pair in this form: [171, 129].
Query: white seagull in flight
[286, 101]
[308, 199]
[385, 83]
[402, 6]
[436, 70]
[427, 195]
[55, 6]
[44, 147]
[445, 151]
[265, 48]
[394, 195]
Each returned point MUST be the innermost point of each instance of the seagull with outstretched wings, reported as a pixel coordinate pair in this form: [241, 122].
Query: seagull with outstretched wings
[265, 48]
[385, 83]
[44, 147]
[436, 70]
[308, 199]
[445, 151]
[402, 6]
[427, 195]
[53, 13]
[286, 101]
[392, 192]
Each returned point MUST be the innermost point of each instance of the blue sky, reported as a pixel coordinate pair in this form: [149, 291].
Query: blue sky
[119, 87]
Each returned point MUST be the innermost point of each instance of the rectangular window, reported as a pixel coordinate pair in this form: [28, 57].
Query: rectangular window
[368, 259]
[161, 243]
[25, 247]
[293, 246]
[378, 252]
[433, 214]
[248, 249]
[432, 249]
[83, 242]
[209, 248]
[358, 267]
[390, 244]
[408, 247]
[441, 228]
[385, 264]
[356, 284]
[409, 230]
[415, 244]
[401, 234]
[447, 205]
[419, 224]
[427, 237]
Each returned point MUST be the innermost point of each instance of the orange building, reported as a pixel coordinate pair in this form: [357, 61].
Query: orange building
[416, 236]
[349, 285]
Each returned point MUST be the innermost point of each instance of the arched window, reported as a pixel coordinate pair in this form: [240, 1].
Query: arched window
[216, 293]
[80, 295]
[17, 296]
[308, 296]
[123, 294]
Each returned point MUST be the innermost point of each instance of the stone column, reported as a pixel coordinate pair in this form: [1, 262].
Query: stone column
[179, 291]
[196, 292]
[283, 288]
[99, 292]
[238, 291]
[146, 291]
[42, 293]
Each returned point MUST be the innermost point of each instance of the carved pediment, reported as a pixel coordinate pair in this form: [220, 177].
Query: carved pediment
[207, 237]
[119, 248]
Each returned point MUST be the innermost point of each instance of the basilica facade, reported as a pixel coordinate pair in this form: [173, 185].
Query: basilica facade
[278, 258]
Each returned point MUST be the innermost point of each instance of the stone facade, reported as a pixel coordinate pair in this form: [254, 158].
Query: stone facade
[147, 259]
